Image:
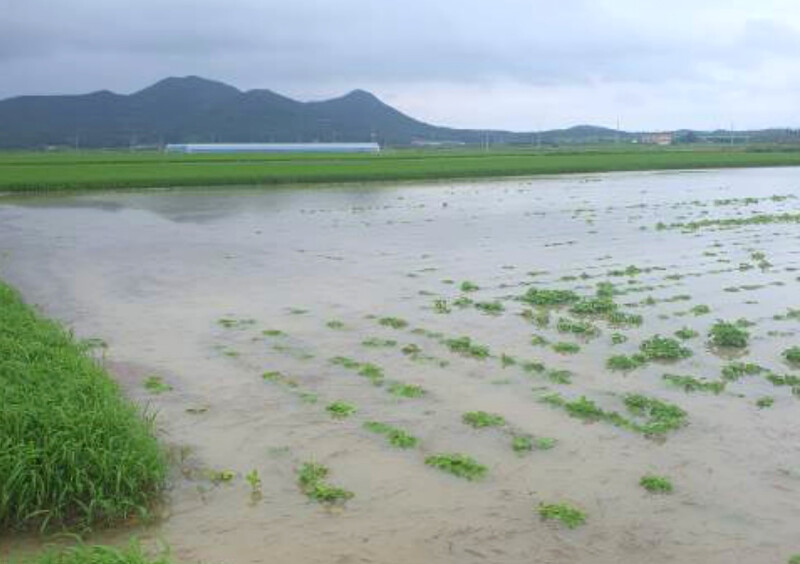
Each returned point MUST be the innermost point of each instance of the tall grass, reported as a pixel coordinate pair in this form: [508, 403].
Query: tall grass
[73, 451]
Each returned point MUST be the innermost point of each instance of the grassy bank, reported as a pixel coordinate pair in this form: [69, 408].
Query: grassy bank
[103, 170]
[73, 451]
[133, 554]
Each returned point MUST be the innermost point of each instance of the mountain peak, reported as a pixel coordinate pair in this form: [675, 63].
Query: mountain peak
[187, 83]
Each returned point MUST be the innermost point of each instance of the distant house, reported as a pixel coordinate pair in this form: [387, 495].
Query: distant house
[273, 148]
[659, 138]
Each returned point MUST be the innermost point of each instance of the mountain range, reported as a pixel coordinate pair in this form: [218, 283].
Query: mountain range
[193, 109]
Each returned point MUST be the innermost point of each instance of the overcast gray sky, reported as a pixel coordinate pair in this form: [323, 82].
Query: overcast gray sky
[513, 64]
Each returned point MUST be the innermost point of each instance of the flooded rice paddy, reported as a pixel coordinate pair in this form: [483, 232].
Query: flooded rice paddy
[267, 327]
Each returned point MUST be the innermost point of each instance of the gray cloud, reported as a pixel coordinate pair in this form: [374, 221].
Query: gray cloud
[605, 56]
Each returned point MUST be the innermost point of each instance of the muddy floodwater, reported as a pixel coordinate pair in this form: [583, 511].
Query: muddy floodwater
[261, 307]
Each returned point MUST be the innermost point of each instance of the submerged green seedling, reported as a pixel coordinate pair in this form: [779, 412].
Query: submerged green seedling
[691, 384]
[396, 437]
[724, 334]
[340, 409]
[254, 480]
[765, 402]
[663, 348]
[490, 308]
[393, 322]
[792, 355]
[311, 478]
[521, 443]
[737, 370]
[481, 419]
[156, 385]
[685, 333]
[371, 372]
[570, 516]
[465, 347]
[656, 484]
[467, 286]
[566, 348]
[623, 362]
[406, 390]
[459, 465]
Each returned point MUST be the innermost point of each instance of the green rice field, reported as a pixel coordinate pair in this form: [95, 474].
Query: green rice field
[116, 169]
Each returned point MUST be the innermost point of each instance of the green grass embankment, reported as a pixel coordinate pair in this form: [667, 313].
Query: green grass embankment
[108, 170]
[73, 451]
[84, 554]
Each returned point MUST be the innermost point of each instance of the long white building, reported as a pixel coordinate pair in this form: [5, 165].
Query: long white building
[273, 148]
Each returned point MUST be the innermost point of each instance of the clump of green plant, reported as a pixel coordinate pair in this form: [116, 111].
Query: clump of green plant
[580, 328]
[594, 306]
[279, 378]
[406, 390]
[570, 516]
[531, 366]
[396, 437]
[618, 338]
[273, 333]
[371, 372]
[221, 476]
[393, 322]
[311, 478]
[156, 385]
[765, 402]
[507, 360]
[481, 419]
[661, 416]
[459, 465]
[559, 376]
[467, 286]
[465, 347]
[622, 319]
[691, 384]
[490, 308]
[700, 309]
[335, 324]
[737, 370]
[540, 317]
[566, 348]
[685, 333]
[663, 348]
[440, 306]
[550, 298]
[462, 302]
[728, 335]
[792, 355]
[340, 409]
[378, 343]
[624, 362]
[786, 380]
[521, 443]
[229, 323]
[346, 362]
[794, 559]
[254, 480]
[539, 341]
[545, 443]
[656, 484]
[73, 451]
